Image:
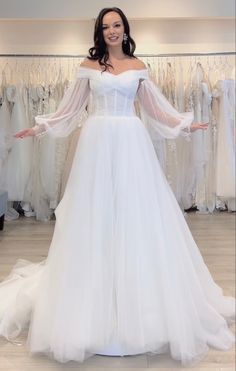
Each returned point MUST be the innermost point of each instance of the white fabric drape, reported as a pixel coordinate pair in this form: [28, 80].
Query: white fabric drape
[68, 115]
[161, 115]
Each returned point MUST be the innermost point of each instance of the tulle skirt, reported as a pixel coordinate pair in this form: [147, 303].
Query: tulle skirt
[123, 274]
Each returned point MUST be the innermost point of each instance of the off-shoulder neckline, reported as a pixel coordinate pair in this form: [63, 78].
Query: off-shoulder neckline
[113, 74]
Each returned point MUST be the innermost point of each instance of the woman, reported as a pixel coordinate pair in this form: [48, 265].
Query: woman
[123, 274]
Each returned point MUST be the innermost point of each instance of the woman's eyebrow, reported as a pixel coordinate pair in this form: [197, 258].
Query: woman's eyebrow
[105, 24]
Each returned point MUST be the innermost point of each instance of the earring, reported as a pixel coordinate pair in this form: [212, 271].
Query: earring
[125, 38]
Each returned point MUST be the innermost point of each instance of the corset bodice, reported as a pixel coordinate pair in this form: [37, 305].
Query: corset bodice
[113, 94]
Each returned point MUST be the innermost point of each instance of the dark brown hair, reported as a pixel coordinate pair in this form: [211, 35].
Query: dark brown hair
[99, 50]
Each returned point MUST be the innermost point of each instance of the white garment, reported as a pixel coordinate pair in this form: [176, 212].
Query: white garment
[202, 144]
[183, 150]
[123, 274]
[73, 140]
[5, 130]
[204, 154]
[171, 154]
[225, 156]
[52, 154]
[49, 153]
[18, 163]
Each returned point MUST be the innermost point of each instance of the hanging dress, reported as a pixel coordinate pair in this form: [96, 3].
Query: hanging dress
[18, 164]
[225, 153]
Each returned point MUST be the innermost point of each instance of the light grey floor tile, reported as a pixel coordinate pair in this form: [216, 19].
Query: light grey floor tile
[137, 362]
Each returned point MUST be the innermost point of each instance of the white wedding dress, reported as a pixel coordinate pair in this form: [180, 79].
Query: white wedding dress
[123, 273]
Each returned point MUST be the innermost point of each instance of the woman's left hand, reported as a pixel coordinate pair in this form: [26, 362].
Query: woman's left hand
[198, 126]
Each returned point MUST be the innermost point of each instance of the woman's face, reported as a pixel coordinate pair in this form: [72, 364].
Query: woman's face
[113, 29]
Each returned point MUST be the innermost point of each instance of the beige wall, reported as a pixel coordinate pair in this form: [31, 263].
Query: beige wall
[158, 26]
[151, 36]
[88, 9]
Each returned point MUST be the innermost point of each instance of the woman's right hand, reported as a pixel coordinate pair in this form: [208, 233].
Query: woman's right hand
[30, 132]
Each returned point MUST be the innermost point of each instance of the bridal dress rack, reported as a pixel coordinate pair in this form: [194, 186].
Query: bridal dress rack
[200, 169]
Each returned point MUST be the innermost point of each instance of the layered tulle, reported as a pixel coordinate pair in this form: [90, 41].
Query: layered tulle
[123, 274]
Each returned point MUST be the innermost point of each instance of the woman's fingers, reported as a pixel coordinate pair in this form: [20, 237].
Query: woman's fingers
[24, 133]
[198, 126]
[20, 134]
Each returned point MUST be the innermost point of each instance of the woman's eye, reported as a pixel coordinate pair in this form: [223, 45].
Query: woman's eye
[106, 27]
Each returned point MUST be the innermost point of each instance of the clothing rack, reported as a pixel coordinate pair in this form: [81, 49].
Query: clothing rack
[138, 55]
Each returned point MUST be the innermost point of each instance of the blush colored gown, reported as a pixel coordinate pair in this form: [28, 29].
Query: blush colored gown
[123, 274]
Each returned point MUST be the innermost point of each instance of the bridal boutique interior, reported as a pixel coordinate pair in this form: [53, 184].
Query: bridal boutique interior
[189, 51]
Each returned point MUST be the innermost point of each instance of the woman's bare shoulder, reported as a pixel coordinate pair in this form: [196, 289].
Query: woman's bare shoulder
[138, 64]
[90, 63]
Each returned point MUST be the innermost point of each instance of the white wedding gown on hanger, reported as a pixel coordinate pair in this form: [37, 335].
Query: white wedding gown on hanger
[123, 274]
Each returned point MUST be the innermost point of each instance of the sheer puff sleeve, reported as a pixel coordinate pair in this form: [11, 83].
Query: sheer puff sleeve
[70, 112]
[159, 115]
